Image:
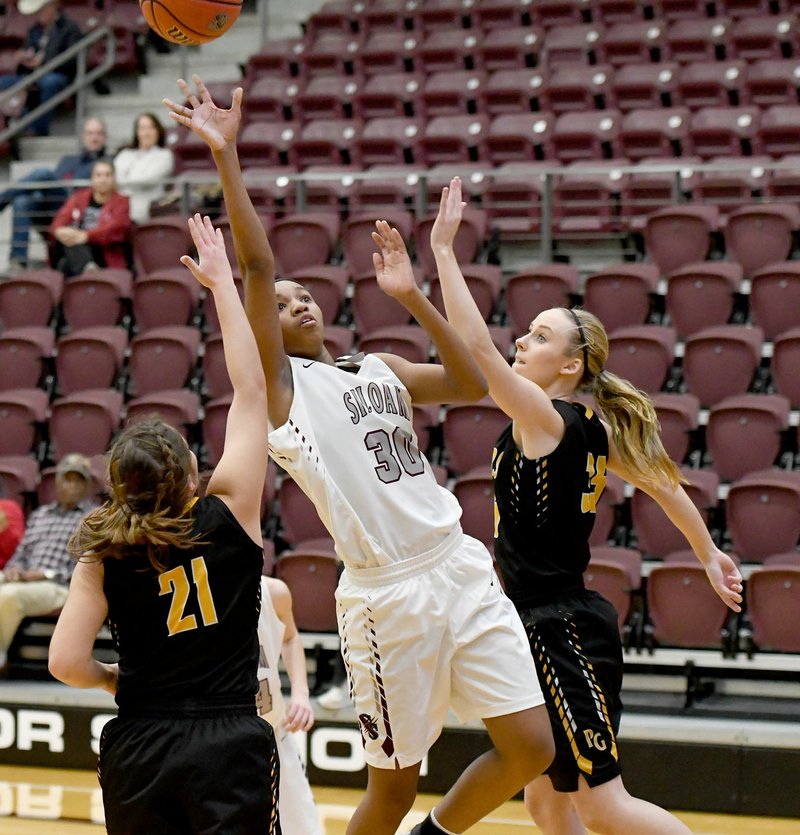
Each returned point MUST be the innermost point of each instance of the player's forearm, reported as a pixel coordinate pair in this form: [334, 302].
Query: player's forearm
[462, 312]
[294, 661]
[459, 366]
[681, 511]
[249, 237]
[241, 352]
[84, 673]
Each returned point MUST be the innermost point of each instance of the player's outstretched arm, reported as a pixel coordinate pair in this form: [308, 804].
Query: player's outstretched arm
[521, 399]
[70, 656]
[238, 479]
[722, 572]
[219, 128]
[458, 378]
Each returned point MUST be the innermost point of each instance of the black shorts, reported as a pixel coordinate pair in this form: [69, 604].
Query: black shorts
[578, 655]
[198, 775]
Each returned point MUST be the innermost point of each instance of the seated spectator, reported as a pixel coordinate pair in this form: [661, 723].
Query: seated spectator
[12, 525]
[51, 34]
[35, 579]
[92, 228]
[142, 166]
[39, 206]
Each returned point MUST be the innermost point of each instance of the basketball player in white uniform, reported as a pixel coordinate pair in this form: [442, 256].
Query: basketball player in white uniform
[278, 637]
[423, 621]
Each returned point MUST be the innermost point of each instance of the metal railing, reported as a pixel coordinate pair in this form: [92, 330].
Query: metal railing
[77, 87]
[187, 185]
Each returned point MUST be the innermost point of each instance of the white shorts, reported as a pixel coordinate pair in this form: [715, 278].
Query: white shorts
[426, 634]
[298, 814]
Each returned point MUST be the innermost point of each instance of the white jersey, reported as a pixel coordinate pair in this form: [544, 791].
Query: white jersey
[296, 808]
[350, 445]
[270, 637]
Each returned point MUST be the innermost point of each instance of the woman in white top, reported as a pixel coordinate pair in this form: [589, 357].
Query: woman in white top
[141, 167]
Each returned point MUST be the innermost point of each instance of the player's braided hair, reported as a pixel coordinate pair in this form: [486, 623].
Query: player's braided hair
[629, 411]
[149, 466]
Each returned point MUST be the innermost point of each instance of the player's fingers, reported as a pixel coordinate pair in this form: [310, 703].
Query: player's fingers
[236, 99]
[191, 264]
[377, 261]
[397, 240]
[202, 90]
[175, 107]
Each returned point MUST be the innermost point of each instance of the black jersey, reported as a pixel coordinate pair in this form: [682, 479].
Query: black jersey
[187, 636]
[545, 507]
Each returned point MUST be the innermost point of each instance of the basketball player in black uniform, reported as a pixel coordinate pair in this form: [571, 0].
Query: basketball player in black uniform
[549, 468]
[179, 580]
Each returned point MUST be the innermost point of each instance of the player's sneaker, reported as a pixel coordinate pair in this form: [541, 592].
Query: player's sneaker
[334, 699]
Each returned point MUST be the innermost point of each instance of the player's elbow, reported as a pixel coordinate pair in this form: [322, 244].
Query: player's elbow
[61, 665]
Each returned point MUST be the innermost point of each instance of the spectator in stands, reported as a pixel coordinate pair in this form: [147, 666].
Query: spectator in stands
[39, 206]
[51, 34]
[35, 579]
[12, 526]
[92, 228]
[142, 166]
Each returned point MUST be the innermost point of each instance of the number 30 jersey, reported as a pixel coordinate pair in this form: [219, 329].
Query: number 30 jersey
[350, 445]
[545, 507]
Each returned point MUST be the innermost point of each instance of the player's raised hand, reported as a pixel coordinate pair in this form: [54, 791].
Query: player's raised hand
[213, 268]
[392, 264]
[451, 210]
[217, 126]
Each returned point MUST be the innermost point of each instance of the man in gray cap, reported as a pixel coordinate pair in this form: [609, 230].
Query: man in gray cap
[51, 34]
[36, 578]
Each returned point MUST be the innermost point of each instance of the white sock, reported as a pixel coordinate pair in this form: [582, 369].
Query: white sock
[439, 826]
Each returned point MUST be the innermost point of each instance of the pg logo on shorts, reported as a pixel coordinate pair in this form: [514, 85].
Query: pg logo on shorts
[595, 740]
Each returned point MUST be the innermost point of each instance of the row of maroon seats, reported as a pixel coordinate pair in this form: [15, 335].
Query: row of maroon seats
[696, 297]
[566, 88]
[675, 606]
[510, 47]
[346, 16]
[717, 422]
[460, 137]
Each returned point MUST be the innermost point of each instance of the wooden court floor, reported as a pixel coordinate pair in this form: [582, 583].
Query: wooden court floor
[35, 801]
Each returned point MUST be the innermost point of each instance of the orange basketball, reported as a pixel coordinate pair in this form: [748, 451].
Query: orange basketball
[190, 22]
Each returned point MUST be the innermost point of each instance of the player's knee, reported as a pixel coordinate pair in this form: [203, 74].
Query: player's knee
[394, 797]
[597, 814]
[547, 818]
[535, 749]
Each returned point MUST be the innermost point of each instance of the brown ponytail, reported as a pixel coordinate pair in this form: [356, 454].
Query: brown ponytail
[628, 410]
[149, 465]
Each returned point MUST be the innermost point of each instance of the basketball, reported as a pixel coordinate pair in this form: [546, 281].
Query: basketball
[190, 22]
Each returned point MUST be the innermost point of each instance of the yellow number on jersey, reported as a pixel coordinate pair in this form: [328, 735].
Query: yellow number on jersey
[176, 582]
[597, 479]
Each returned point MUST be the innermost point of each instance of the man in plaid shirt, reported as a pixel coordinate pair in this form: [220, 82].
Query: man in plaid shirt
[36, 577]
